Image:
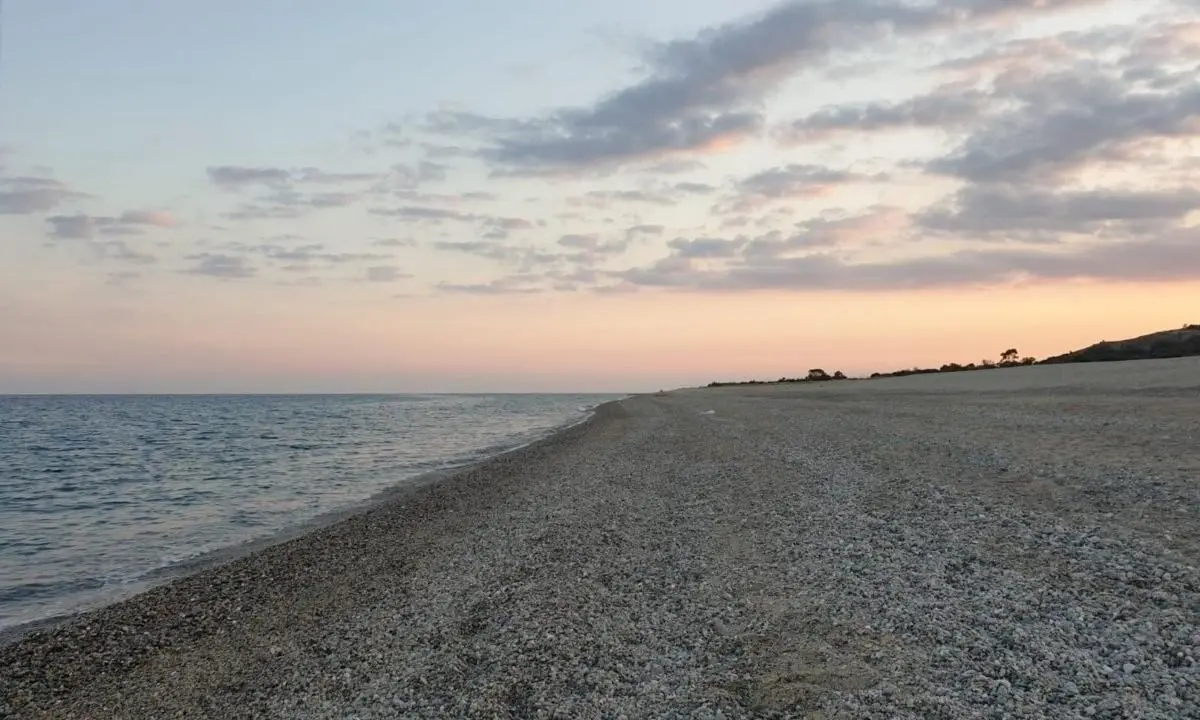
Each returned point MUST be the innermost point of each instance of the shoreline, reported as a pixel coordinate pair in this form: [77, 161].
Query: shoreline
[1026, 546]
[207, 603]
[166, 574]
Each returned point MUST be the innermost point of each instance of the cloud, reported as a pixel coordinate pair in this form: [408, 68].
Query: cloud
[1063, 121]
[119, 251]
[877, 226]
[155, 218]
[481, 248]
[499, 228]
[416, 213]
[319, 176]
[1175, 257]
[537, 269]
[394, 135]
[283, 201]
[76, 227]
[942, 110]
[706, 247]
[695, 188]
[289, 204]
[411, 176]
[1012, 61]
[585, 147]
[236, 177]
[430, 171]
[348, 257]
[516, 285]
[795, 181]
[644, 230]
[440, 151]
[603, 198]
[412, 196]
[26, 195]
[493, 227]
[82, 226]
[255, 211]
[701, 93]
[1011, 210]
[322, 200]
[30, 182]
[88, 228]
[766, 247]
[301, 257]
[384, 274]
[525, 259]
[775, 244]
[584, 242]
[510, 223]
[394, 242]
[222, 266]
[591, 247]
[579, 278]
[704, 93]
[297, 254]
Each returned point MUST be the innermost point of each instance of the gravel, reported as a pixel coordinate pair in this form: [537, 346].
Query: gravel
[1013, 543]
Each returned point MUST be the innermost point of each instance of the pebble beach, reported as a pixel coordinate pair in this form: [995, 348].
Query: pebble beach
[1017, 543]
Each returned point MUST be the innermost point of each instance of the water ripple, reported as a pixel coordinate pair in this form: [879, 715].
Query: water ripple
[97, 494]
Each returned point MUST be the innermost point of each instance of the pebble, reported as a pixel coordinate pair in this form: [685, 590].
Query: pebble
[842, 551]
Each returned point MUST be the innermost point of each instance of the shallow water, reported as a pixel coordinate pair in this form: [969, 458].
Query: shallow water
[100, 494]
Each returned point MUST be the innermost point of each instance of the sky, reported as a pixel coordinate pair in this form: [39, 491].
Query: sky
[535, 196]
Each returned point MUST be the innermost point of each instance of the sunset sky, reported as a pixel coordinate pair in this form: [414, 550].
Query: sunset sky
[295, 196]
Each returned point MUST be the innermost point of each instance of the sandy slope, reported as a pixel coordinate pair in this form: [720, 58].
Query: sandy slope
[1017, 543]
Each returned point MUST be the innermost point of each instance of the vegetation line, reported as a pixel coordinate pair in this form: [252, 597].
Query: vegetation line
[1184, 342]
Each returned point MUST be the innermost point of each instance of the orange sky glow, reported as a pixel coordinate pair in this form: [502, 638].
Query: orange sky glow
[719, 191]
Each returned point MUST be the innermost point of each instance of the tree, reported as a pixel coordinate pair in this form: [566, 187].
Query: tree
[817, 374]
[1009, 355]
[839, 375]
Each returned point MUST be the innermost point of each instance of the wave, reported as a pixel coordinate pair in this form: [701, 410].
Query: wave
[98, 579]
[41, 590]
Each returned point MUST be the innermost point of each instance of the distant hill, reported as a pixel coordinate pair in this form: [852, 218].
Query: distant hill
[1184, 342]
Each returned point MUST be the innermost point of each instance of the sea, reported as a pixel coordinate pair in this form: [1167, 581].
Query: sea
[102, 497]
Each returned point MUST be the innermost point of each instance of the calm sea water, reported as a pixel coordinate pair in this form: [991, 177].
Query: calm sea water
[101, 496]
